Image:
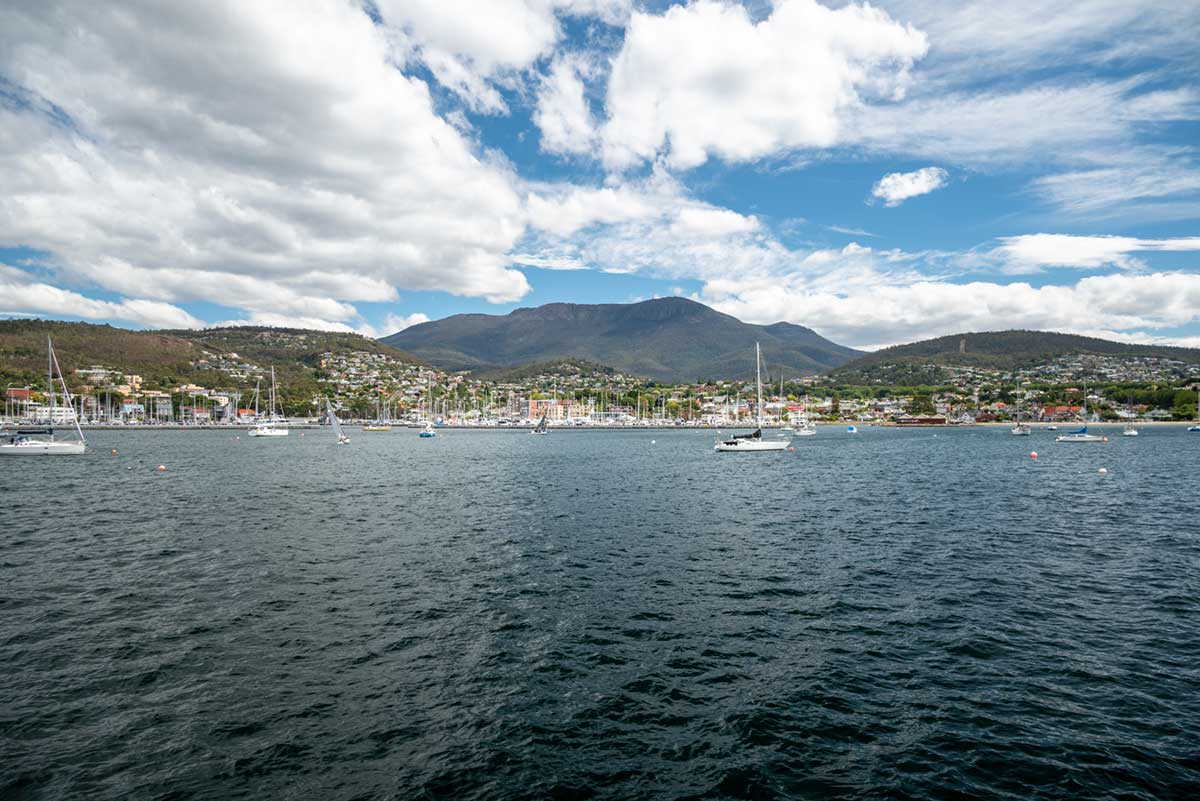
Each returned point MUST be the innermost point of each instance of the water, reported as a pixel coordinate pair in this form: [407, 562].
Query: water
[623, 614]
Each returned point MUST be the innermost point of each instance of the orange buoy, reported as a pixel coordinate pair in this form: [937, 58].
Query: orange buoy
[1033, 454]
[1106, 439]
[114, 450]
[162, 467]
[793, 450]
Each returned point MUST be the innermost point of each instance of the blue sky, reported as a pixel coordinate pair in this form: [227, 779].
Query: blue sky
[881, 173]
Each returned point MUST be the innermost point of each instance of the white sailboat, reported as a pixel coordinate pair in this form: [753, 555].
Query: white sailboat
[342, 439]
[754, 441]
[542, 427]
[1196, 428]
[806, 429]
[1130, 428]
[787, 427]
[1081, 435]
[270, 427]
[1020, 429]
[41, 441]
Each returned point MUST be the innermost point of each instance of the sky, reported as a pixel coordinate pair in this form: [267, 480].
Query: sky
[881, 173]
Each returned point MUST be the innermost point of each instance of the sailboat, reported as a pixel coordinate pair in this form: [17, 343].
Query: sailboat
[542, 427]
[1081, 435]
[270, 427]
[1020, 429]
[1130, 428]
[342, 439]
[754, 441]
[41, 441]
[1196, 428]
[807, 429]
[427, 432]
[786, 428]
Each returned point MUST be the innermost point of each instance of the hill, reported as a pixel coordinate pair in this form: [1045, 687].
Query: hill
[992, 350]
[667, 339]
[167, 358]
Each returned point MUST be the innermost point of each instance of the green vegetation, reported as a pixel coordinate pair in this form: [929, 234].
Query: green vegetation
[168, 359]
[920, 362]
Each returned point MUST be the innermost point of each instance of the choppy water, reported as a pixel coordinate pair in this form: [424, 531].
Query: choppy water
[491, 615]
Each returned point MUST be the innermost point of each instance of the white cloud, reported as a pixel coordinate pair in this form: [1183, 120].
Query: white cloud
[706, 80]
[269, 160]
[886, 315]
[23, 295]
[562, 114]
[474, 47]
[1031, 252]
[897, 187]
[394, 322]
[1090, 191]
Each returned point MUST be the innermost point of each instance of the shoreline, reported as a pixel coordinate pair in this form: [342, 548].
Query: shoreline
[1066, 426]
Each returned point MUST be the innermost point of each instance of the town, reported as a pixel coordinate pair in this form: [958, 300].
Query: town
[376, 387]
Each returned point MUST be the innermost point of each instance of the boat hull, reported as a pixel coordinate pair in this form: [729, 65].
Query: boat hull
[268, 432]
[1080, 438]
[40, 448]
[751, 446]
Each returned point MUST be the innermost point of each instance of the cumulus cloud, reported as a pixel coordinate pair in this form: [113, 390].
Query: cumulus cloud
[21, 294]
[475, 48]
[889, 314]
[562, 114]
[395, 323]
[706, 80]
[281, 168]
[897, 187]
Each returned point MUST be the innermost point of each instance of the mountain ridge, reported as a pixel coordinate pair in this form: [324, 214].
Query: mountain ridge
[1002, 350]
[667, 339]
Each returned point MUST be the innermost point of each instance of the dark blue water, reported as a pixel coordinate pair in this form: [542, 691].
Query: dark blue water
[492, 615]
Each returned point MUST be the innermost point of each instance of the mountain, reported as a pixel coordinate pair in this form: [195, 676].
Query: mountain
[994, 350]
[667, 339]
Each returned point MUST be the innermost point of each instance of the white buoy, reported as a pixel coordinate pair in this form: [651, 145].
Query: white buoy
[653, 441]
[1103, 469]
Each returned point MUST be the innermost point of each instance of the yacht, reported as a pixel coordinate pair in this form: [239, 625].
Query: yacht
[271, 426]
[1196, 428]
[1130, 428]
[42, 441]
[806, 429]
[1020, 429]
[1081, 435]
[745, 443]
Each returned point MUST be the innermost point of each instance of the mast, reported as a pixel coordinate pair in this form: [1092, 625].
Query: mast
[758, 382]
[50, 376]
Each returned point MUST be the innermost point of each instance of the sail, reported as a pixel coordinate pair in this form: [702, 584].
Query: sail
[333, 419]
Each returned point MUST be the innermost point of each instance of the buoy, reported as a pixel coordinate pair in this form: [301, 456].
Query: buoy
[302, 433]
[114, 450]
[653, 441]
[1103, 469]
[162, 467]
[793, 450]
[1106, 439]
[1033, 454]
